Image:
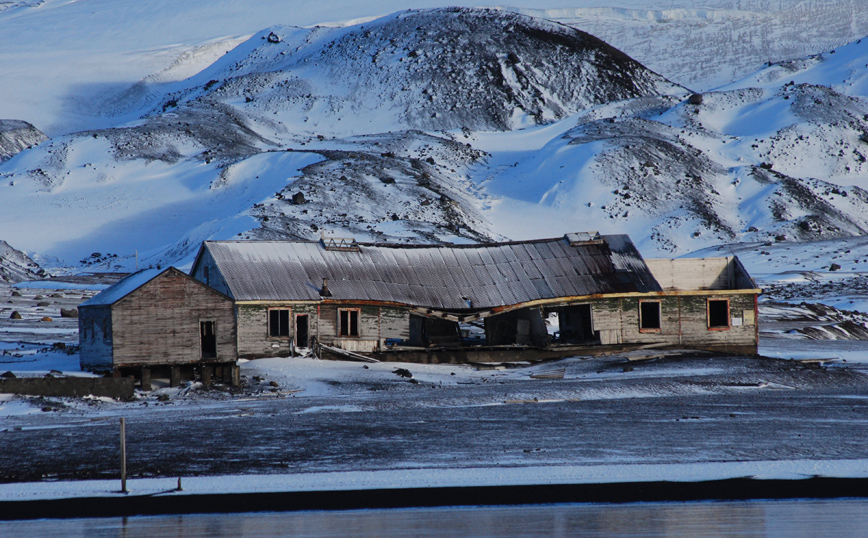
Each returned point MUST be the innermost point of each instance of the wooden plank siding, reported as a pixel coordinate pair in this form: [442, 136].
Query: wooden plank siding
[159, 324]
[95, 342]
[683, 321]
[376, 325]
[206, 271]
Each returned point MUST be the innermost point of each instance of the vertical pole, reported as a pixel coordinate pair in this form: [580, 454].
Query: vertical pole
[123, 456]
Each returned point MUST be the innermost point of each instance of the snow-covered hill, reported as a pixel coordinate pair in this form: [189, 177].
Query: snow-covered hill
[441, 69]
[70, 66]
[709, 44]
[781, 155]
[208, 153]
[446, 125]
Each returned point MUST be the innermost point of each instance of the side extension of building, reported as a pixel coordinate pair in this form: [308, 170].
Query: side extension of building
[159, 323]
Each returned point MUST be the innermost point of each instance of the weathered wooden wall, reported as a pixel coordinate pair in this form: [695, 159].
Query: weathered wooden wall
[215, 277]
[253, 336]
[683, 321]
[394, 323]
[94, 337]
[158, 323]
[376, 325]
[694, 273]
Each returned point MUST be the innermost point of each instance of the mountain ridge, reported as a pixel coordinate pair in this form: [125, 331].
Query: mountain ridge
[268, 142]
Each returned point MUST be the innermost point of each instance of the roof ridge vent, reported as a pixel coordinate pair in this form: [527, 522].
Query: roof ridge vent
[345, 244]
[576, 239]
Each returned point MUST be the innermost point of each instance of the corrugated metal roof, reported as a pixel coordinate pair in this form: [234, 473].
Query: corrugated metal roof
[433, 276]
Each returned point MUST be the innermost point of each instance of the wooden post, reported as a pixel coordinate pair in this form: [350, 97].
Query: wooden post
[206, 376]
[146, 378]
[175, 376]
[123, 456]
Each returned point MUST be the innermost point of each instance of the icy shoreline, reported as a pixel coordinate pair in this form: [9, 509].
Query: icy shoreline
[439, 478]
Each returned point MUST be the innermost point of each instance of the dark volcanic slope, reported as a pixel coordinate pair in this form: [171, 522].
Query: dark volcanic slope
[432, 69]
[16, 136]
[15, 266]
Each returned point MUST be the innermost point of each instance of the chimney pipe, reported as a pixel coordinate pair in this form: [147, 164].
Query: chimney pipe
[324, 292]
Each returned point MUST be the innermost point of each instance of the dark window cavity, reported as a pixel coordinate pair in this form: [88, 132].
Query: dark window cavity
[278, 322]
[349, 322]
[718, 313]
[649, 315]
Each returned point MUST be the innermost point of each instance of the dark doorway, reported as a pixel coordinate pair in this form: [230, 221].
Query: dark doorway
[524, 327]
[208, 338]
[433, 332]
[301, 333]
[574, 325]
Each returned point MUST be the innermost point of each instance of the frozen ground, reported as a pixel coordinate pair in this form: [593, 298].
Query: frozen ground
[309, 416]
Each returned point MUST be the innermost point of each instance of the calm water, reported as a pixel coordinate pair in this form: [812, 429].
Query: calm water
[839, 518]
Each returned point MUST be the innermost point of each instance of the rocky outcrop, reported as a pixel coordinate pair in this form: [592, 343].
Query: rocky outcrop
[15, 266]
[16, 136]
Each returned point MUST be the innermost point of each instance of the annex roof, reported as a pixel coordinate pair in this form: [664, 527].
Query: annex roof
[134, 281]
[452, 277]
[123, 287]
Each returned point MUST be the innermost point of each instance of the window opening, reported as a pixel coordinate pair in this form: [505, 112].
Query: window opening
[649, 315]
[278, 322]
[349, 322]
[718, 313]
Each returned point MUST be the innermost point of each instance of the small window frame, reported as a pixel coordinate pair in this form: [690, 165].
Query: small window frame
[282, 331]
[106, 330]
[352, 329]
[659, 316]
[708, 314]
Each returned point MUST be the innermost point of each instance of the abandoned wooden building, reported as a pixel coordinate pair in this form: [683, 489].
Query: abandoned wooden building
[159, 323]
[578, 294]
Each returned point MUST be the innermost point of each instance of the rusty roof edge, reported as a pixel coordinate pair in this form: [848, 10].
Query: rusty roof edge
[424, 245]
[507, 308]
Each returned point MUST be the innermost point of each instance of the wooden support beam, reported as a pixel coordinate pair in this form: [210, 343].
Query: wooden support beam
[206, 375]
[146, 378]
